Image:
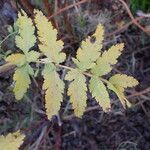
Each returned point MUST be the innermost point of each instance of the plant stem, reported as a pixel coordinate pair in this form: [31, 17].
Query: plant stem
[64, 67]
[85, 73]
[8, 37]
[6, 67]
[70, 68]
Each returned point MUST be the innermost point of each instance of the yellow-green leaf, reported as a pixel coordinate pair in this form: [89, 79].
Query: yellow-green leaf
[120, 93]
[16, 59]
[123, 80]
[32, 56]
[12, 141]
[54, 87]
[108, 58]
[99, 35]
[22, 80]
[118, 83]
[25, 38]
[99, 92]
[48, 37]
[77, 91]
[88, 53]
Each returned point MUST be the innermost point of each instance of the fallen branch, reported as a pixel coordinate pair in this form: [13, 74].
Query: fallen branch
[123, 27]
[68, 7]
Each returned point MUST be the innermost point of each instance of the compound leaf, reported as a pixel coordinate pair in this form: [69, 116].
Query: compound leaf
[77, 91]
[25, 38]
[99, 92]
[54, 87]
[88, 53]
[22, 80]
[48, 37]
[108, 58]
[16, 59]
[88, 57]
[12, 141]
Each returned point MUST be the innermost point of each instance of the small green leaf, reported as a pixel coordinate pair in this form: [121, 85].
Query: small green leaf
[25, 38]
[119, 91]
[123, 80]
[22, 80]
[77, 91]
[118, 83]
[16, 59]
[54, 87]
[47, 35]
[99, 92]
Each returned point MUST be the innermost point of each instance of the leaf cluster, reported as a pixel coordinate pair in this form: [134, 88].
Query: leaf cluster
[90, 62]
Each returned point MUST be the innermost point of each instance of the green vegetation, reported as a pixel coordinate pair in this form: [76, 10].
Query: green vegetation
[143, 5]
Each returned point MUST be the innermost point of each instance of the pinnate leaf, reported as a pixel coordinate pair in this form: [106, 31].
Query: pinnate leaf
[99, 92]
[54, 87]
[104, 63]
[77, 91]
[88, 53]
[48, 37]
[12, 141]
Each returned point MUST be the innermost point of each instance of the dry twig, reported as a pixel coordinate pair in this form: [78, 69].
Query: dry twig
[132, 17]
